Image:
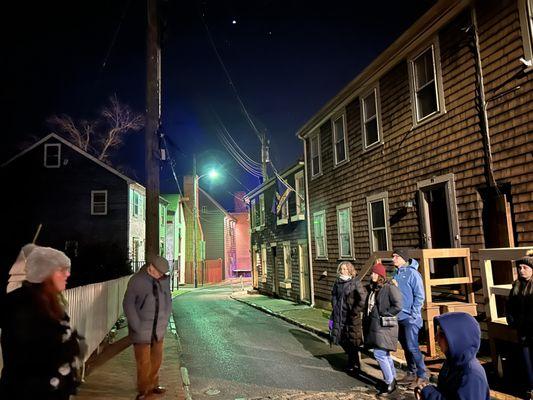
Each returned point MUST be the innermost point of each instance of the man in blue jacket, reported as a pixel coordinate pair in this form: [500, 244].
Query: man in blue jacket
[410, 318]
[462, 377]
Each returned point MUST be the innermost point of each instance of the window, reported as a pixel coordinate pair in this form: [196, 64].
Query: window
[370, 117]
[283, 216]
[136, 199]
[344, 230]
[426, 84]
[319, 229]
[287, 263]
[339, 138]
[52, 155]
[264, 260]
[162, 214]
[315, 155]
[98, 202]
[299, 184]
[204, 209]
[525, 8]
[378, 222]
[262, 209]
[253, 219]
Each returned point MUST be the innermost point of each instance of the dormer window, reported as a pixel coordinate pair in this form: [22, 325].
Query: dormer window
[52, 155]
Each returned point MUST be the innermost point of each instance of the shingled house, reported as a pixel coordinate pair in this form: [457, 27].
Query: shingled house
[430, 146]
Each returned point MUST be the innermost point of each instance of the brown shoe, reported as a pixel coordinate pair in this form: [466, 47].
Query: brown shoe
[159, 390]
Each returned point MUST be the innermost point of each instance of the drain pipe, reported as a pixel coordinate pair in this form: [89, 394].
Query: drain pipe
[308, 216]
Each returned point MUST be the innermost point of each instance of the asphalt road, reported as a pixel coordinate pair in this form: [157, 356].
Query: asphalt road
[233, 351]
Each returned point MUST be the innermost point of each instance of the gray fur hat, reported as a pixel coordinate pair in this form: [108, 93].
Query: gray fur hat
[43, 261]
[160, 263]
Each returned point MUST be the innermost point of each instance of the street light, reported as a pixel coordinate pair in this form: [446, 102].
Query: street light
[213, 174]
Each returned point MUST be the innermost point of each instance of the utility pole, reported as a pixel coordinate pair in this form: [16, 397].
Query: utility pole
[195, 218]
[153, 116]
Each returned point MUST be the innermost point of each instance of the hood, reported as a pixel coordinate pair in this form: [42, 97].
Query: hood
[412, 264]
[463, 335]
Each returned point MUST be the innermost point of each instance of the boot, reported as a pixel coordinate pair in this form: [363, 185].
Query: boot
[387, 390]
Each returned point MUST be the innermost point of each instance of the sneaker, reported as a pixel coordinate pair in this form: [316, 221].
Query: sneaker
[416, 382]
[407, 379]
[387, 390]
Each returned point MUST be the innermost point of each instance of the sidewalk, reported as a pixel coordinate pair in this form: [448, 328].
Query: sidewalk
[316, 320]
[115, 376]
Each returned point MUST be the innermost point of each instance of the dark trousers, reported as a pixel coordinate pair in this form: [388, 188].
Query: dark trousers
[408, 338]
[148, 358]
[527, 355]
[352, 351]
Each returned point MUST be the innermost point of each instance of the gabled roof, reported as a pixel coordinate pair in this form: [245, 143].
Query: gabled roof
[75, 148]
[216, 203]
[263, 186]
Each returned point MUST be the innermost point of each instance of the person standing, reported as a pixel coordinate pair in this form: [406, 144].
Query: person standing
[347, 300]
[41, 353]
[461, 377]
[520, 313]
[147, 305]
[383, 304]
[410, 318]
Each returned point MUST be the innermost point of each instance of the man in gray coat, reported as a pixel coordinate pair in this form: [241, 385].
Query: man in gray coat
[147, 305]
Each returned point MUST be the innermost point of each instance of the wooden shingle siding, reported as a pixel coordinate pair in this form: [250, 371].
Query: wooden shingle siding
[450, 143]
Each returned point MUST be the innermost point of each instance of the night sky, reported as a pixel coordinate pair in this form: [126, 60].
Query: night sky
[286, 59]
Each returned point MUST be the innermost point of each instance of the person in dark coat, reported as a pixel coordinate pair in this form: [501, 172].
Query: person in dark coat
[520, 314]
[461, 377]
[147, 305]
[41, 352]
[347, 300]
[383, 304]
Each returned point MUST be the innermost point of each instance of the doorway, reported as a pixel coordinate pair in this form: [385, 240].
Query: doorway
[439, 224]
[275, 277]
[303, 263]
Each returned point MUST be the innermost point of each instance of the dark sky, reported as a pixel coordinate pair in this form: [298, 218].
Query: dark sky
[286, 58]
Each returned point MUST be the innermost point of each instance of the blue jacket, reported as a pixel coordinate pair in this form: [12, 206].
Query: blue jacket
[412, 289]
[462, 377]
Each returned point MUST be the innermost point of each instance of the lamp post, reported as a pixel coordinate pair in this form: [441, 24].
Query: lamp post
[211, 174]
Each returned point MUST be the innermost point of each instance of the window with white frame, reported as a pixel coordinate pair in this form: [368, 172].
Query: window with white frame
[339, 138]
[525, 8]
[136, 206]
[52, 155]
[378, 211]
[299, 186]
[264, 260]
[253, 219]
[344, 230]
[370, 118]
[98, 202]
[319, 230]
[426, 86]
[316, 167]
[262, 209]
[283, 216]
[287, 262]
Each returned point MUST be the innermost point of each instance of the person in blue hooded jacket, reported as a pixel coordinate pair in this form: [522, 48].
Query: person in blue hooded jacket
[462, 377]
[410, 318]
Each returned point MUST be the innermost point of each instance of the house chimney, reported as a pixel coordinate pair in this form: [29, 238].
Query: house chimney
[238, 199]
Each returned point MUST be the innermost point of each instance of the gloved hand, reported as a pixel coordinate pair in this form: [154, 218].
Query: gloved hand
[330, 324]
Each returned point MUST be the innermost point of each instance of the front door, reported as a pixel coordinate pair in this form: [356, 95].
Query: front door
[439, 223]
[275, 277]
[304, 273]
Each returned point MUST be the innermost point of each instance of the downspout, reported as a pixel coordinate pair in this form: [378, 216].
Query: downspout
[481, 103]
[308, 216]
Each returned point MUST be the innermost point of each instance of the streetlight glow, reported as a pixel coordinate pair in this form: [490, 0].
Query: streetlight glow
[213, 174]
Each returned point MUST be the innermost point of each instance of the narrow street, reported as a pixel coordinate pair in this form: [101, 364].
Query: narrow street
[233, 351]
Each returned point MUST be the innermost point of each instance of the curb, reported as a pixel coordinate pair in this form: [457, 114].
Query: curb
[184, 373]
[398, 363]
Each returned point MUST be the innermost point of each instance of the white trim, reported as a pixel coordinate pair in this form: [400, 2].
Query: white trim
[340, 115]
[93, 193]
[262, 211]
[322, 214]
[285, 284]
[384, 198]
[300, 215]
[377, 104]
[525, 10]
[316, 137]
[46, 147]
[282, 221]
[287, 267]
[432, 46]
[343, 207]
[264, 266]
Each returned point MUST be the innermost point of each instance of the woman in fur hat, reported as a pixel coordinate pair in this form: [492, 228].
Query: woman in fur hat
[40, 350]
[347, 300]
[520, 313]
[383, 304]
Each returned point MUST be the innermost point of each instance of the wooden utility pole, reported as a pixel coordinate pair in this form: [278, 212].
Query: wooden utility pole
[153, 115]
[195, 219]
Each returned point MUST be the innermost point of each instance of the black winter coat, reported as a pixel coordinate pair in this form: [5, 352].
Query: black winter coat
[347, 300]
[40, 354]
[388, 303]
[519, 311]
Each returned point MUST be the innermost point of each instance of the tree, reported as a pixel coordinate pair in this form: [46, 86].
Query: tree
[101, 136]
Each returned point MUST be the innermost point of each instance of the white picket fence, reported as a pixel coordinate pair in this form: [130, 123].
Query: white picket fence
[94, 309]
